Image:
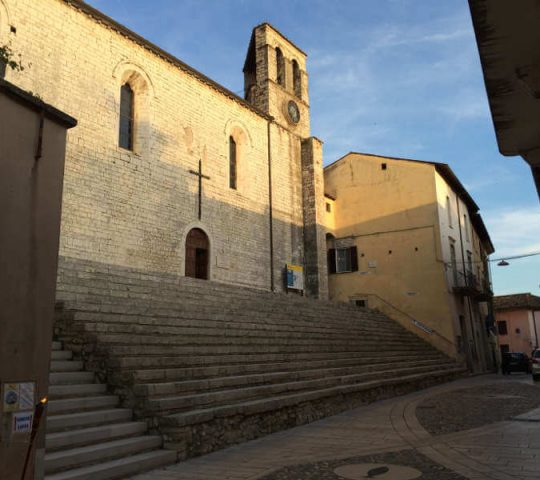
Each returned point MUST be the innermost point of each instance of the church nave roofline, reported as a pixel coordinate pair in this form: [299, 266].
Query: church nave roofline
[159, 52]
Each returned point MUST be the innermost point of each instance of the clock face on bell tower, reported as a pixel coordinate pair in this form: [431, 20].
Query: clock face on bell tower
[275, 69]
[293, 111]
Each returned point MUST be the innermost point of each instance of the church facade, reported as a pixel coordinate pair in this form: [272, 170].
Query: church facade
[168, 171]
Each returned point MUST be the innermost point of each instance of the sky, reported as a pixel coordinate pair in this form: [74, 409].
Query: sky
[393, 77]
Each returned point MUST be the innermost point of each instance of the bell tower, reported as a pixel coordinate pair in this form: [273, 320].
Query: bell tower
[276, 82]
[275, 79]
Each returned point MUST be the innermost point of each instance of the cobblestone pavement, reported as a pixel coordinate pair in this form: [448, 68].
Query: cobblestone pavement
[445, 413]
[389, 433]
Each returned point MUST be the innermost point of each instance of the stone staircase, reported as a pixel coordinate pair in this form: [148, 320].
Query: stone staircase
[88, 436]
[208, 365]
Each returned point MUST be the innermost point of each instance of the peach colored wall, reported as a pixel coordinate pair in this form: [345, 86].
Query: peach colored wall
[522, 320]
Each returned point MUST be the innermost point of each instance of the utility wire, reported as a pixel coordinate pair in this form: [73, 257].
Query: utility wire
[514, 257]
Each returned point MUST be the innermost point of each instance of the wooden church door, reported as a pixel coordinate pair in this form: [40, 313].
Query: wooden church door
[197, 254]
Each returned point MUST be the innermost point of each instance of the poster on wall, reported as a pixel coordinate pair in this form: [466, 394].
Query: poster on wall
[295, 277]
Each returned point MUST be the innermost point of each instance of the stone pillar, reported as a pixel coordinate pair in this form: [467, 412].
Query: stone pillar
[315, 264]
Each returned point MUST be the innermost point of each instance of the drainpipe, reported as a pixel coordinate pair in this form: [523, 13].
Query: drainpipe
[270, 213]
[535, 330]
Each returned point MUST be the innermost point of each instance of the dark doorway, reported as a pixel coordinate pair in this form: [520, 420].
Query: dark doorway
[197, 254]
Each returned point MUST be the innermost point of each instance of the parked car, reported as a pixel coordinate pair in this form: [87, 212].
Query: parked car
[515, 362]
[535, 365]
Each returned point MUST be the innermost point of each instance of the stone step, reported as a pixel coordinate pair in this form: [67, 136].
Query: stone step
[168, 404]
[85, 436]
[140, 362]
[198, 331]
[100, 452]
[71, 277]
[158, 292]
[221, 370]
[56, 346]
[80, 290]
[165, 389]
[56, 423]
[247, 319]
[360, 345]
[80, 404]
[61, 355]
[125, 334]
[197, 306]
[233, 312]
[277, 402]
[69, 378]
[75, 390]
[66, 366]
[120, 468]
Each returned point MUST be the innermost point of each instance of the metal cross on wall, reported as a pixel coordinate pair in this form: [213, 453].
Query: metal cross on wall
[201, 176]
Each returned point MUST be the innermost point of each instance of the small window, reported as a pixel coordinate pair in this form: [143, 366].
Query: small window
[232, 164]
[280, 67]
[328, 207]
[518, 331]
[360, 303]
[342, 260]
[449, 211]
[126, 117]
[383, 166]
[466, 227]
[502, 328]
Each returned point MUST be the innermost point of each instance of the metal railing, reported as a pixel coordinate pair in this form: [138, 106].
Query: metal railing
[468, 282]
[417, 323]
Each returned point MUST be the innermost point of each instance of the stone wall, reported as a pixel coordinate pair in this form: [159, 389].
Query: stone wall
[135, 208]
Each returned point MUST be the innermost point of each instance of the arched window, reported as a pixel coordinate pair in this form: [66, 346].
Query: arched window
[126, 117]
[280, 67]
[297, 80]
[232, 163]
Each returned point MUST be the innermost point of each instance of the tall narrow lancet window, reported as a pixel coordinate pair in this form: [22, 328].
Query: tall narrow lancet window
[126, 117]
[232, 163]
[297, 82]
[280, 67]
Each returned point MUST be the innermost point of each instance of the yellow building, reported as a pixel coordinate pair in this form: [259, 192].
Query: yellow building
[404, 236]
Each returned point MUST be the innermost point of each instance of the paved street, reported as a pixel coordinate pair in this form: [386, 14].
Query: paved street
[497, 436]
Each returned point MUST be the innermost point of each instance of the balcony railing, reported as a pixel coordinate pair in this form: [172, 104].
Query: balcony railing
[468, 284]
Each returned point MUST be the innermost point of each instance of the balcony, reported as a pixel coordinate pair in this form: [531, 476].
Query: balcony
[469, 285]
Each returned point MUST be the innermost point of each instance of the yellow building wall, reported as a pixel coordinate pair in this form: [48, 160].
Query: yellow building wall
[391, 215]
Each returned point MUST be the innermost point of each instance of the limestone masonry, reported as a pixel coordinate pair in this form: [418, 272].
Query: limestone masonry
[136, 207]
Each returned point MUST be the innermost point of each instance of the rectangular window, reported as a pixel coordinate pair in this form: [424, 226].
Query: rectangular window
[453, 262]
[342, 260]
[328, 207]
[466, 227]
[502, 328]
[449, 211]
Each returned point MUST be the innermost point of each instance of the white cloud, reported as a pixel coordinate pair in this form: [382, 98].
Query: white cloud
[514, 231]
